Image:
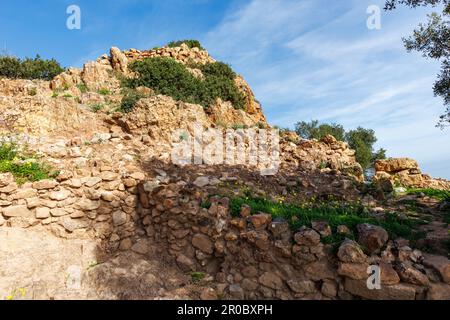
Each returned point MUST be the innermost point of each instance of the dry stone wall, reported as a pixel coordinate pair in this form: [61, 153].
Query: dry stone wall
[250, 256]
[253, 256]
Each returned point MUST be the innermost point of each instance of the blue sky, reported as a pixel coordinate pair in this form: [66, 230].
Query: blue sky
[305, 59]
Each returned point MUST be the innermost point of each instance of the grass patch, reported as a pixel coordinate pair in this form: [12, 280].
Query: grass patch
[442, 195]
[334, 212]
[23, 167]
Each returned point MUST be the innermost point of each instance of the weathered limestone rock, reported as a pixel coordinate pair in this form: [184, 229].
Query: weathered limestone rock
[388, 274]
[438, 291]
[24, 194]
[119, 61]
[357, 271]
[410, 275]
[86, 204]
[440, 264]
[185, 263]
[351, 252]
[271, 280]
[203, 243]
[18, 211]
[372, 237]
[305, 286]
[307, 237]
[60, 195]
[322, 227]
[140, 247]
[246, 211]
[91, 181]
[260, 221]
[45, 184]
[58, 212]
[119, 218]
[42, 213]
[395, 165]
[236, 291]
[6, 179]
[201, 182]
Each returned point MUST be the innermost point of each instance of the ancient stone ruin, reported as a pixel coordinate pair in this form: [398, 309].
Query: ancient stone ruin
[126, 223]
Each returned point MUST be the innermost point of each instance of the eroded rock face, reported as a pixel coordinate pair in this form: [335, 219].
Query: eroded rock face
[396, 165]
[406, 172]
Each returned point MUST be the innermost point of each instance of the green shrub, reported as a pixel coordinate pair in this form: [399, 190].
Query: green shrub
[23, 167]
[190, 43]
[129, 100]
[442, 195]
[82, 87]
[168, 77]
[104, 91]
[32, 92]
[37, 68]
[96, 107]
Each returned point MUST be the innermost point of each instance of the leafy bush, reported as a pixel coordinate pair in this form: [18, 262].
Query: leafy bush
[24, 168]
[218, 69]
[37, 68]
[190, 43]
[168, 77]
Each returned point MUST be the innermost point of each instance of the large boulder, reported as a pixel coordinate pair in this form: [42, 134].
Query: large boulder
[373, 238]
[396, 165]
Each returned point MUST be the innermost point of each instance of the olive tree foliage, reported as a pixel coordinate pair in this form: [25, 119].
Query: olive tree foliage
[433, 40]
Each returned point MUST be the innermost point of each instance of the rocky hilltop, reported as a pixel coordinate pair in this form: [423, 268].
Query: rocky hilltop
[119, 219]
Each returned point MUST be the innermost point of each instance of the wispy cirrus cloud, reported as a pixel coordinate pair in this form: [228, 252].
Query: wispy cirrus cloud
[318, 60]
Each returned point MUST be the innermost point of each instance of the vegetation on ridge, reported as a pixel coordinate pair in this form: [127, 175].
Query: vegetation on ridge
[334, 212]
[37, 68]
[169, 77]
[190, 43]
